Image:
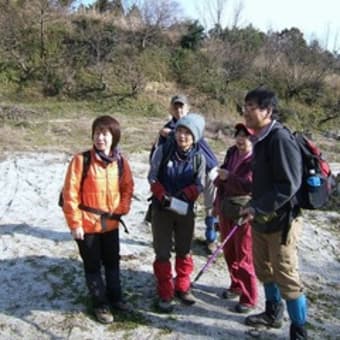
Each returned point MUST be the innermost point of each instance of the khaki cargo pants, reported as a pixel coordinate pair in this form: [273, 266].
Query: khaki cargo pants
[278, 263]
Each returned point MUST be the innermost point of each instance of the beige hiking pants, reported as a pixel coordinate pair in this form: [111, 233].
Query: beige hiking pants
[278, 263]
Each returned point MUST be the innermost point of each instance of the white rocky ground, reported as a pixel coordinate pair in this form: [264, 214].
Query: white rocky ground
[42, 290]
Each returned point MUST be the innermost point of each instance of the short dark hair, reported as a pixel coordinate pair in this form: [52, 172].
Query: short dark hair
[263, 97]
[110, 123]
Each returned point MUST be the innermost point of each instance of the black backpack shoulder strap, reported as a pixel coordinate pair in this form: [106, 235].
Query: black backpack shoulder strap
[86, 167]
[120, 164]
[168, 150]
[87, 162]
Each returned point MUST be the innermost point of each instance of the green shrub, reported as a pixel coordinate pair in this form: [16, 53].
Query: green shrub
[155, 63]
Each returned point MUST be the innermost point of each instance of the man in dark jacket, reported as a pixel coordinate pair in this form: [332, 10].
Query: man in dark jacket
[277, 173]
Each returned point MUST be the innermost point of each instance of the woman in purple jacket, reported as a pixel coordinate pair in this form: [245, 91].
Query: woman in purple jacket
[233, 191]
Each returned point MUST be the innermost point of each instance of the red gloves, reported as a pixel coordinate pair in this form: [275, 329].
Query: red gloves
[191, 192]
[158, 190]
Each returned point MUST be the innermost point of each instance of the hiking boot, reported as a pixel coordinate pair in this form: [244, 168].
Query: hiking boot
[297, 332]
[263, 319]
[121, 306]
[243, 308]
[186, 297]
[166, 306]
[229, 294]
[103, 314]
[271, 317]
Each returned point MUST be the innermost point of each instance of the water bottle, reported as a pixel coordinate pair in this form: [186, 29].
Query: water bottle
[313, 180]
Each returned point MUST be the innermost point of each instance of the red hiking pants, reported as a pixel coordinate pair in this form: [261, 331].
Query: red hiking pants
[239, 257]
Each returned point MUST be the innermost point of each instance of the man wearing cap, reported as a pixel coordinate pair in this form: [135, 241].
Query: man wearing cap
[176, 179]
[179, 107]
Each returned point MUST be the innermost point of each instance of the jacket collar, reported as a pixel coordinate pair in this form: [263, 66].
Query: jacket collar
[264, 132]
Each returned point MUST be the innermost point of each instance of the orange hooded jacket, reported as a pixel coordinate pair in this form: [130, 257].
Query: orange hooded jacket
[102, 189]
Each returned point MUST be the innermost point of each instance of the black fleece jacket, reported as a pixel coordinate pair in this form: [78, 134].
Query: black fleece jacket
[277, 173]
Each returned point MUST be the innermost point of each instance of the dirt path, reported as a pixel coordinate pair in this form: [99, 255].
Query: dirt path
[43, 295]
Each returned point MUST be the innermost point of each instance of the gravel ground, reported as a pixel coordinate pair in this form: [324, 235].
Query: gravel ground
[43, 294]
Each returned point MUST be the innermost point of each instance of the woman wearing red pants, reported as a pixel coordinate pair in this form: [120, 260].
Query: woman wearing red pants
[177, 174]
[233, 191]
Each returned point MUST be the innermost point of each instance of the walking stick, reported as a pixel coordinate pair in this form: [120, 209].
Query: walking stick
[213, 256]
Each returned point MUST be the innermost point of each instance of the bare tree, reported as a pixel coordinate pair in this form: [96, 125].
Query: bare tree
[33, 16]
[211, 12]
[156, 16]
[331, 38]
[29, 43]
[336, 46]
[238, 9]
[160, 13]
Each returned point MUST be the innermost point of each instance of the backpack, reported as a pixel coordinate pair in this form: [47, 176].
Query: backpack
[169, 148]
[86, 167]
[210, 158]
[315, 170]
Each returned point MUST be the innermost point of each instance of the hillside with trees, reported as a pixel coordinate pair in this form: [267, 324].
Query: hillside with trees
[61, 65]
[115, 51]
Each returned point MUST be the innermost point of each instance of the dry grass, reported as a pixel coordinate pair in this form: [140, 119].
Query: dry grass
[66, 126]
[57, 126]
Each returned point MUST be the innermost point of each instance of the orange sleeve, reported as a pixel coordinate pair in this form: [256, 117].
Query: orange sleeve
[71, 192]
[126, 186]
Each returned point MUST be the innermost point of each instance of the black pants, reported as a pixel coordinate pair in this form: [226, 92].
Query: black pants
[167, 227]
[97, 250]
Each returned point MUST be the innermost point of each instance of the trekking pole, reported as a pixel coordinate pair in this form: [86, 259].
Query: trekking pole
[213, 256]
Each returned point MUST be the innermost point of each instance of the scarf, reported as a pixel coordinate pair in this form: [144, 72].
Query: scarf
[107, 159]
[183, 155]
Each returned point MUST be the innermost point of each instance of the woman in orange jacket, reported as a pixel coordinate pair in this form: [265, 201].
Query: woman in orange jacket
[93, 204]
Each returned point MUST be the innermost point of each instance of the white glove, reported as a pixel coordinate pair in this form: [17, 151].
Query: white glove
[223, 174]
[213, 173]
[78, 233]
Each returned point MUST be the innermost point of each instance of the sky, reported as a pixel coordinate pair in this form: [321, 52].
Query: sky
[314, 18]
